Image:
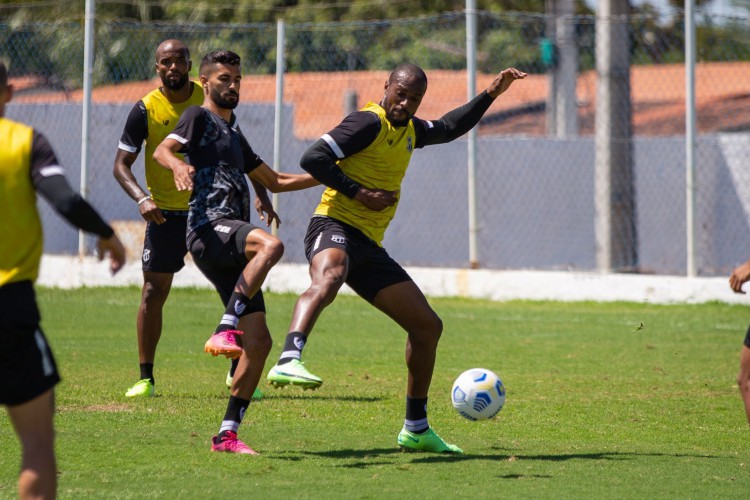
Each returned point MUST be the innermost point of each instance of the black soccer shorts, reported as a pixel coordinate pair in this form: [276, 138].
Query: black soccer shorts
[371, 269]
[27, 367]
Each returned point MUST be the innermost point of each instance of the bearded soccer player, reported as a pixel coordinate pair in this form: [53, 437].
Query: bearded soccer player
[163, 207]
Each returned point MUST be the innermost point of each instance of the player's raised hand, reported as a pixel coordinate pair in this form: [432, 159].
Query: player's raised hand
[503, 80]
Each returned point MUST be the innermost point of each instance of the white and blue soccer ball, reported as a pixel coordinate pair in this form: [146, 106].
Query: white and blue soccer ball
[478, 394]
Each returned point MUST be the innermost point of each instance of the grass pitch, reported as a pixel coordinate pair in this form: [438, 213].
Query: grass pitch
[609, 400]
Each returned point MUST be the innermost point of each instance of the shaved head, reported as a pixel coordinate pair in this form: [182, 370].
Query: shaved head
[408, 72]
[171, 45]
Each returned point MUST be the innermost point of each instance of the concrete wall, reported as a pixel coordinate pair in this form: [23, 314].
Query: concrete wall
[535, 195]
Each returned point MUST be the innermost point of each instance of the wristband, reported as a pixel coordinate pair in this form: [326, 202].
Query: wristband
[140, 202]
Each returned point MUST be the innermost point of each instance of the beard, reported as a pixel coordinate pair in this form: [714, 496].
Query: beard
[223, 102]
[399, 123]
[174, 85]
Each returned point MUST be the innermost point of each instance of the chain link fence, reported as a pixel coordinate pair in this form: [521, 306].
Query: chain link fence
[537, 146]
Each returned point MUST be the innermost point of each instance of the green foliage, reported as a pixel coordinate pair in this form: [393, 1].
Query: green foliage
[326, 36]
[596, 407]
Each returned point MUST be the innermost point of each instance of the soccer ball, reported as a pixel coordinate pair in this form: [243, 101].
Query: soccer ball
[478, 394]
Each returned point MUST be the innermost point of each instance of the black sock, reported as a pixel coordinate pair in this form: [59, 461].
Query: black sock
[236, 308]
[416, 415]
[233, 367]
[233, 417]
[147, 371]
[293, 345]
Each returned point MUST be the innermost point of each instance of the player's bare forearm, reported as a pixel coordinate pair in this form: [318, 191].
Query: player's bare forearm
[123, 172]
[280, 182]
[183, 173]
[295, 182]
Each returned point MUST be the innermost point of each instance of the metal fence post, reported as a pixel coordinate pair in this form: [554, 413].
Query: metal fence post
[88, 70]
[471, 156]
[278, 107]
[690, 135]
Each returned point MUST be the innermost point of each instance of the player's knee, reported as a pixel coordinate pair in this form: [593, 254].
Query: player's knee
[428, 332]
[435, 327]
[274, 250]
[327, 285]
[154, 294]
[264, 346]
[268, 251]
[259, 344]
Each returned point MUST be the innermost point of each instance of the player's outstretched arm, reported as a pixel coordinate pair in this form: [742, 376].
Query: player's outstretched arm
[279, 182]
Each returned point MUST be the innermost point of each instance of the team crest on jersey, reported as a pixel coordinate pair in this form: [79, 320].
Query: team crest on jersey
[390, 142]
[146, 254]
[409, 145]
[165, 122]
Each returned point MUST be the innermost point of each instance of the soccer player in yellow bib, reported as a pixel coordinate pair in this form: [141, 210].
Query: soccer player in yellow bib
[28, 166]
[362, 162]
[165, 209]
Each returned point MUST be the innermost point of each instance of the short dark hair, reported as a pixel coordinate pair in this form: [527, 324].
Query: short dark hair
[220, 57]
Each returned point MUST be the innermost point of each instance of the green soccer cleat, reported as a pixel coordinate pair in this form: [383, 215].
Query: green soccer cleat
[142, 389]
[293, 373]
[257, 395]
[427, 441]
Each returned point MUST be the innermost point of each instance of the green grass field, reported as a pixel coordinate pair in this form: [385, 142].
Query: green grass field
[595, 406]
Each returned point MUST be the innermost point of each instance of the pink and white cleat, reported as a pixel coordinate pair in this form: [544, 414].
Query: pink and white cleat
[230, 444]
[224, 343]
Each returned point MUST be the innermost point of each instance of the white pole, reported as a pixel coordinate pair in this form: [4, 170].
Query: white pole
[471, 75]
[280, 35]
[690, 136]
[88, 70]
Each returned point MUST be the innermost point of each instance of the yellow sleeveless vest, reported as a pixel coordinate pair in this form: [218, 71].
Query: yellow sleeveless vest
[20, 227]
[381, 165]
[162, 119]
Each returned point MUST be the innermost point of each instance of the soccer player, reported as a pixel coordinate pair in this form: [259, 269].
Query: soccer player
[362, 162]
[165, 209]
[233, 254]
[739, 276]
[28, 165]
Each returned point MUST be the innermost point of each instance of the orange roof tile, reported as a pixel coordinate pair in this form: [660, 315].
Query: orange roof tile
[722, 97]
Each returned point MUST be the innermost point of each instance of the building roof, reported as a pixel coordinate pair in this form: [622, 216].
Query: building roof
[658, 91]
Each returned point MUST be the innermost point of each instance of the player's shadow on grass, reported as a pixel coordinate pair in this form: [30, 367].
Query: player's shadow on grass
[367, 458]
[604, 455]
[320, 397]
